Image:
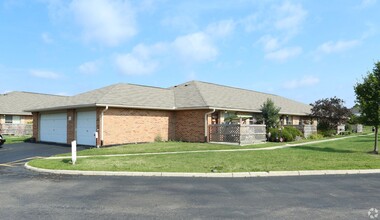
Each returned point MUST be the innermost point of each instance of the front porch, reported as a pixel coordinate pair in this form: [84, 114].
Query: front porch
[244, 128]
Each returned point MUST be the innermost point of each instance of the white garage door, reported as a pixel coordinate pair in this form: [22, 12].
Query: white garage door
[86, 127]
[53, 128]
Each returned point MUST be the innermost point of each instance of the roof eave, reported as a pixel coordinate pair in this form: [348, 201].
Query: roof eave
[60, 108]
[16, 113]
[136, 107]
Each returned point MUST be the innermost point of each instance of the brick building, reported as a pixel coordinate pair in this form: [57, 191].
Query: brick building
[128, 113]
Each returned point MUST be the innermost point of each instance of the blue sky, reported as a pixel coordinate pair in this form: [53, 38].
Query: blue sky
[304, 50]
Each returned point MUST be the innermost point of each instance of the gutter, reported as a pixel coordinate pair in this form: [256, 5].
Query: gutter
[206, 123]
[102, 126]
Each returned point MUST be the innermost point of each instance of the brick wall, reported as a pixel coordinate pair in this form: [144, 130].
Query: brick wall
[36, 125]
[99, 125]
[136, 125]
[71, 123]
[190, 125]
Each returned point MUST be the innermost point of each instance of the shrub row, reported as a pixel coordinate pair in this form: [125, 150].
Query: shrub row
[287, 134]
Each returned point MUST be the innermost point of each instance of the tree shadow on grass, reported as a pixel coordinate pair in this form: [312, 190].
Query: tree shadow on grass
[363, 140]
[324, 149]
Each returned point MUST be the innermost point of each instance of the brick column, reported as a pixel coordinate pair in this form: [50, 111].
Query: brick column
[36, 125]
[71, 121]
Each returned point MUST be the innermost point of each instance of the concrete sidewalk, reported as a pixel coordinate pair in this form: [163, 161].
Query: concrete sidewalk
[208, 151]
[208, 175]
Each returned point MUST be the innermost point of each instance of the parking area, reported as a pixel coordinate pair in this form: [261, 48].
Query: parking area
[19, 153]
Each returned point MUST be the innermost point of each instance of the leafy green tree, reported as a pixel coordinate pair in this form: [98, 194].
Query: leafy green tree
[270, 114]
[330, 113]
[368, 98]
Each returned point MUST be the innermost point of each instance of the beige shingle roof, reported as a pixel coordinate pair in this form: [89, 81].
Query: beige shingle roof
[121, 95]
[193, 94]
[201, 94]
[14, 103]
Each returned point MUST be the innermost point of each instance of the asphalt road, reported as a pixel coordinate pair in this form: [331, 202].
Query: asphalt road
[29, 195]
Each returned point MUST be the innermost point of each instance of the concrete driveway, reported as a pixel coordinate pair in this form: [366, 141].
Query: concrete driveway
[22, 152]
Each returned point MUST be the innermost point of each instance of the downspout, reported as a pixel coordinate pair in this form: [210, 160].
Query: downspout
[102, 126]
[206, 123]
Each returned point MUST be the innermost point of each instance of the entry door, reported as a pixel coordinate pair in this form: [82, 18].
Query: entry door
[53, 128]
[86, 128]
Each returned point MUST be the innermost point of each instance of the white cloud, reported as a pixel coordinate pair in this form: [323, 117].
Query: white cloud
[89, 67]
[304, 82]
[221, 29]
[105, 21]
[131, 65]
[284, 54]
[195, 47]
[367, 3]
[269, 43]
[46, 38]
[336, 47]
[147, 51]
[290, 17]
[44, 74]
[141, 60]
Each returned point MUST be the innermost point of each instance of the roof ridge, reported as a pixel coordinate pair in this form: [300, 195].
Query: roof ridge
[106, 93]
[154, 87]
[199, 91]
[232, 87]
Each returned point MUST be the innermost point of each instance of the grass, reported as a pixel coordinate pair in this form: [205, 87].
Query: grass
[15, 139]
[341, 154]
[165, 147]
[178, 146]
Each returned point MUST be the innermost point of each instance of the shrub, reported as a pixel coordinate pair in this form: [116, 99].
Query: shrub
[276, 135]
[287, 136]
[323, 126]
[293, 131]
[348, 128]
[158, 138]
[327, 133]
[315, 136]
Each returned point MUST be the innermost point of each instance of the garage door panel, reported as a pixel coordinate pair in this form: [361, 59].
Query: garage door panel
[86, 127]
[53, 127]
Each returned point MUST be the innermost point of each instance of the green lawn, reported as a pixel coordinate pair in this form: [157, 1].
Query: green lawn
[165, 147]
[177, 146]
[15, 139]
[349, 153]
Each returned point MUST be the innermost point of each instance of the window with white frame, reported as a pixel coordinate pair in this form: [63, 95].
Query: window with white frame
[12, 119]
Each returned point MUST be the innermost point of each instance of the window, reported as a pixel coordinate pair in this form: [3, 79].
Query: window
[8, 119]
[16, 119]
[12, 119]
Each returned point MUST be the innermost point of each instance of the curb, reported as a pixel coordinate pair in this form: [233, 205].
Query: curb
[208, 175]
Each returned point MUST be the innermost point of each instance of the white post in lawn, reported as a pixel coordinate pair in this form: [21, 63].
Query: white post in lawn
[74, 151]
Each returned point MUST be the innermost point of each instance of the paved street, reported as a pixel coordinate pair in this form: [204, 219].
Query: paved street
[29, 195]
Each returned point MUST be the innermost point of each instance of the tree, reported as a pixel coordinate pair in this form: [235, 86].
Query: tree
[270, 113]
[330, 112]
[368, 98]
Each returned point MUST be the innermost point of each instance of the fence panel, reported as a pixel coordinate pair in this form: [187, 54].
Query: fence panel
[235, 133]
[224, 133]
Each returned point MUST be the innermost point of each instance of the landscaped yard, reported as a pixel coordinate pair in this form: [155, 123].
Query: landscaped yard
[349, 153]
